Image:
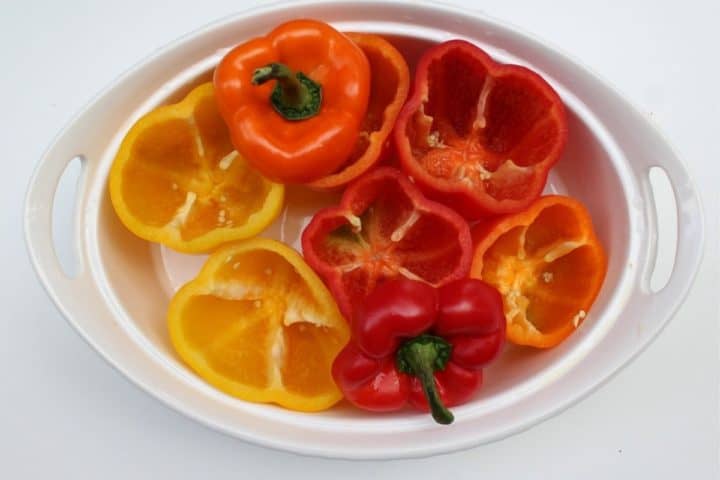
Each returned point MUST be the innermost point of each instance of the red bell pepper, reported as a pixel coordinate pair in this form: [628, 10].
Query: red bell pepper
[382, 228]
[416, 344]
[478, 135]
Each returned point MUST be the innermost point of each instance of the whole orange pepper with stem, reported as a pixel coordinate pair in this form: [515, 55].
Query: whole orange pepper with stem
[389, 86]
[294, 100]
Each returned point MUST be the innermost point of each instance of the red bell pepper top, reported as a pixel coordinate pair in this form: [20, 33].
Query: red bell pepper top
[478, 135]
[384, 227]
[419, 345]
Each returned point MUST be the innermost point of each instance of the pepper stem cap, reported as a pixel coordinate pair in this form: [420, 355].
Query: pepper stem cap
[422, 356]
[295, 96]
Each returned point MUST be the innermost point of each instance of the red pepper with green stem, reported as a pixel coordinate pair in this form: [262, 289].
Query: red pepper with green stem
[413, 343]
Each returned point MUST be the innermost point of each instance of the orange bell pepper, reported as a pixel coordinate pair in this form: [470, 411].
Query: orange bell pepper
[547, 263]
[305, 123]
[390, 82]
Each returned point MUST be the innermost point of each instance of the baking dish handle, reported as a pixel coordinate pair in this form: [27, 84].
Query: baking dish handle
[690, 235]
[38, 221]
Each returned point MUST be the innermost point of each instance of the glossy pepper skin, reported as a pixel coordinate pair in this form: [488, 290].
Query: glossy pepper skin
[382, 228]
[478, 135]
[390, 82]
[415, 344]
[288, 131]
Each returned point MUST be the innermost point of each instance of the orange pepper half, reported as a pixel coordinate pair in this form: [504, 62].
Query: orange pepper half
[294, 100]
[547, 263]
[390, 82]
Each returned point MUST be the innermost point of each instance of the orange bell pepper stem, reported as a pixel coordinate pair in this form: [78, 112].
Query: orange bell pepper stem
[295, 96]
[294, 100]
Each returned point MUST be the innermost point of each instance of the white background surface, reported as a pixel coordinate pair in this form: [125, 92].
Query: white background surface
[64, 413]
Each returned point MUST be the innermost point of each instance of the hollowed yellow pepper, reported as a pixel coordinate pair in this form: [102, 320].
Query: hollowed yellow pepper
[177, 180]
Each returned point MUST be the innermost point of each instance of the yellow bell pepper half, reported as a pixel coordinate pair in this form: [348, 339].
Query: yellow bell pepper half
[258, 324]
[177, 180]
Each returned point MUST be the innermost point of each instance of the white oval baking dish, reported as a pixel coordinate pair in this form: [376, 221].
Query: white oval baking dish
[117, 302]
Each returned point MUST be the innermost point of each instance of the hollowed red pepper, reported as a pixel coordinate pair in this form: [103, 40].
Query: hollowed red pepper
[413, 343]
[384, 227]
[478, 135]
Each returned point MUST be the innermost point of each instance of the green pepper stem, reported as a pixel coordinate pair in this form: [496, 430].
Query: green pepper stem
[295, 96]
[294, 93]
[421, 357]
